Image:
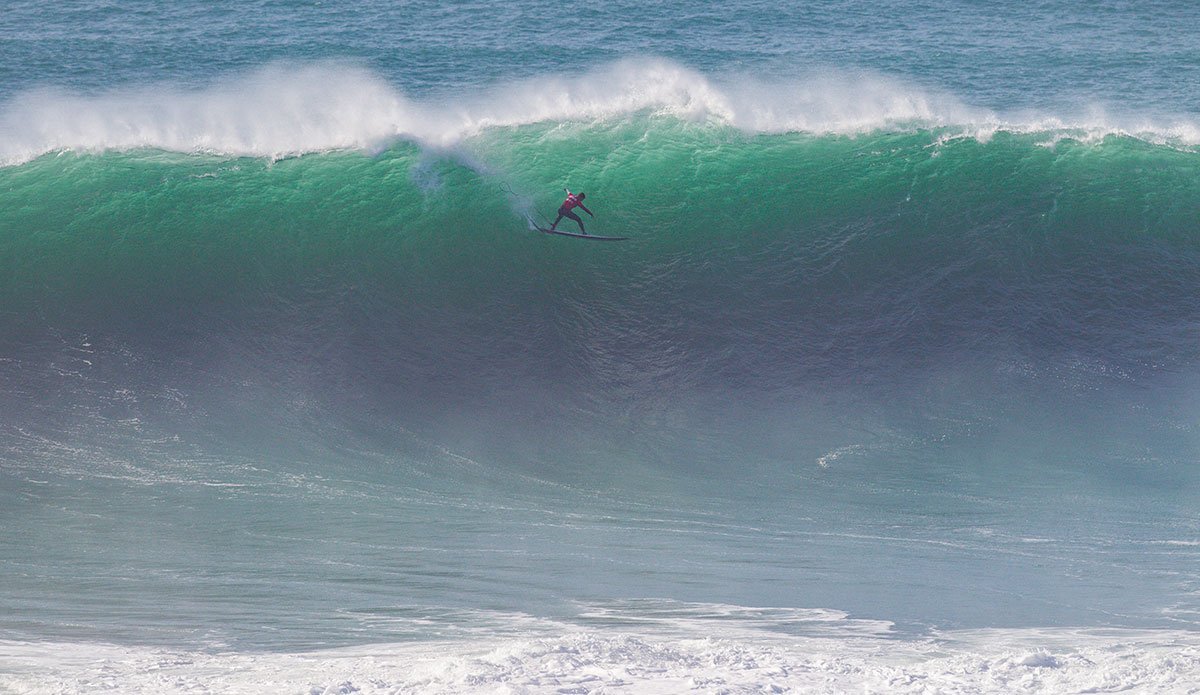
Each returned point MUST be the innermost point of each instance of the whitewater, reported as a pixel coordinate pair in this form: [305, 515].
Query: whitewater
[288, 110]
[892, 388]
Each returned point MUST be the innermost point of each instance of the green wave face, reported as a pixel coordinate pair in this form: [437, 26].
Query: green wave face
[181, 231]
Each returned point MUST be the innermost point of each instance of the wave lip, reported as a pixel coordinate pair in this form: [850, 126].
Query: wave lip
[280, 110]
[276, 112]
[283, 110]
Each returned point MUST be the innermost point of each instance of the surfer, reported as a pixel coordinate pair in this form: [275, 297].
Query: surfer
[564, 210]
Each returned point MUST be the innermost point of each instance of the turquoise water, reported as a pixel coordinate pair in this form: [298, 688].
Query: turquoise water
[893, 386]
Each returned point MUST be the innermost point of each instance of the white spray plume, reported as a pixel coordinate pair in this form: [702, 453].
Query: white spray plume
[284, 110]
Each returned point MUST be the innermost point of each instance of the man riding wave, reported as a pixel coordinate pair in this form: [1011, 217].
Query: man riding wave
[564, 210]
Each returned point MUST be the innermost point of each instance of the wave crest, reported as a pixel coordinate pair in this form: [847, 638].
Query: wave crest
[285, 110]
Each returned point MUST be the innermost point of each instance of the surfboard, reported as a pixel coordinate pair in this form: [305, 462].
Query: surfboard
[581, 236]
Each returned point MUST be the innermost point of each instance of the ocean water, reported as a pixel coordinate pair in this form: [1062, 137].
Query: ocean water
[894, 387]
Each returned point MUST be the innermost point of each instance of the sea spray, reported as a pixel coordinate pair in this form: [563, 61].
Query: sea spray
[288, 109]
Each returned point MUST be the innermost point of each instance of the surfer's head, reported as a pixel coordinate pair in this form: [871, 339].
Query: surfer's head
[581, 196]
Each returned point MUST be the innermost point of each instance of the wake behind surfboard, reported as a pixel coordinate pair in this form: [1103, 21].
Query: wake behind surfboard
[581, 236]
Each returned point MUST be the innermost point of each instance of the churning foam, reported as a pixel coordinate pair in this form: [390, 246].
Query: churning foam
[598, 661]
[284, 110]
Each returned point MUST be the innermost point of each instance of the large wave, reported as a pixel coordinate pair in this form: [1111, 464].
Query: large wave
[921, 231]
[889, 325]
[394, 269]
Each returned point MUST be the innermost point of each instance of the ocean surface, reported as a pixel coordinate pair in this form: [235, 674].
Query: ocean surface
[894, 388]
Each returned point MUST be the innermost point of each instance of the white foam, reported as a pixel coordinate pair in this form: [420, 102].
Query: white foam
[275, 111]
[556, 659]
[284, 110]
